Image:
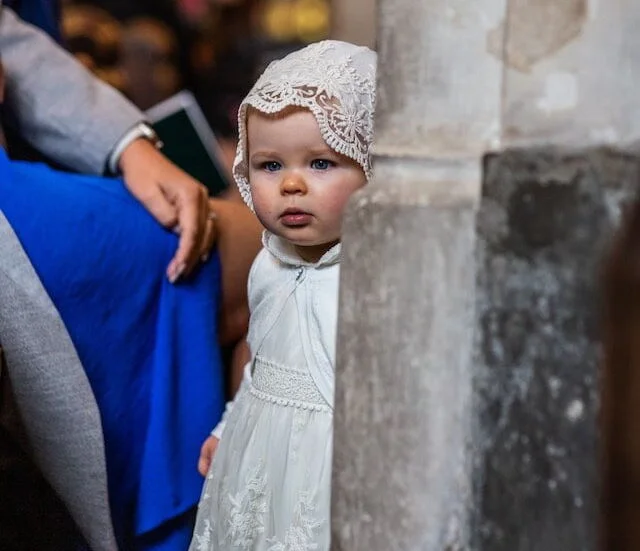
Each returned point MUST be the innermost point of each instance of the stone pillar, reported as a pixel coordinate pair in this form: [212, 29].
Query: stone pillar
[466, 391]
[354, 21]
[403, 431]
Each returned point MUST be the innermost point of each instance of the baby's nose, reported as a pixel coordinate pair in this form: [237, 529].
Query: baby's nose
[293, 184]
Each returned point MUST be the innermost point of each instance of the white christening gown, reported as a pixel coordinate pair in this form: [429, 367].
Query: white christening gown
[269, 484]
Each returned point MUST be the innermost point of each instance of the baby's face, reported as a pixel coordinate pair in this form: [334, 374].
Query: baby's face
[299, 185]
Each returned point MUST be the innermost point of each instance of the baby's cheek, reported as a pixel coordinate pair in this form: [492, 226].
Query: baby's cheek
[338, 201]
[259, 197]
[263, 208]
[262, 211]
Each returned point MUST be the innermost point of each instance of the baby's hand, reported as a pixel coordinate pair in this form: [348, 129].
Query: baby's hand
[206, 454]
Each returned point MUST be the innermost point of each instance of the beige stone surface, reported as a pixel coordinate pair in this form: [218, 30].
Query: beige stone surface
[571, 76]
[439, 88]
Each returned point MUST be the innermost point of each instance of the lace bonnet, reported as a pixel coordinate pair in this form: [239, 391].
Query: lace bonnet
[332, 79]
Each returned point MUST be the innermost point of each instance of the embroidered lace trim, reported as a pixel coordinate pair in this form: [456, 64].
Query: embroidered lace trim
[246, 511]
[336, 82]
[285, 386]
[302, 533]
[245, 515]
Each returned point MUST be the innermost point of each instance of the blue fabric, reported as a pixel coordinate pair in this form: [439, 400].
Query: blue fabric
[44, 14]
[148, 347]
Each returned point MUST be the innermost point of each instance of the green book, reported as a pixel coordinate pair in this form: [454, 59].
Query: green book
[188, 140]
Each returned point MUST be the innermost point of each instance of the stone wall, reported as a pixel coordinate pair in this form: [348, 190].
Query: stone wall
[544, 227]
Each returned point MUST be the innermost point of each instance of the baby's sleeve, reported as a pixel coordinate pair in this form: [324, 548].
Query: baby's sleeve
[244, 387]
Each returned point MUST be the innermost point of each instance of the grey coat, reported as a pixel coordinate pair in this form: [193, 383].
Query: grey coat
[56, 105]
[76, 120]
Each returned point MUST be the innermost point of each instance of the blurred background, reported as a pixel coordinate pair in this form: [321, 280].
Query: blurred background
[151, 49]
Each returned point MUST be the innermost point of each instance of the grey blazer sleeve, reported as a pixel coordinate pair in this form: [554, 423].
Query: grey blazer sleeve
[56, 104]
[53, 394]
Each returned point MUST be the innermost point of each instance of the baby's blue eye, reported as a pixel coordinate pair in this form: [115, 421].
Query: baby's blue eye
[321, 164]
[271, 166]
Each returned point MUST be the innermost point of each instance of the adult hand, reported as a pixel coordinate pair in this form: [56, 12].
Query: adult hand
[174, 199]
[207, 452]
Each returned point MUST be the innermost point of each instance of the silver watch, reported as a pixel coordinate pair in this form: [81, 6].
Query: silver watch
[147, 132]
[140, 130]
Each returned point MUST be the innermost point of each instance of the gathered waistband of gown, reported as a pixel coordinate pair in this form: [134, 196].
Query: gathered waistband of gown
[286, 386]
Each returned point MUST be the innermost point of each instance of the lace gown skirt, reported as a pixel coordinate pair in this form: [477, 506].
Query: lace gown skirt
[269, 485]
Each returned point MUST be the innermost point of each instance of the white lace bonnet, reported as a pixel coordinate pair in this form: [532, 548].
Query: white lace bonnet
[336, 82]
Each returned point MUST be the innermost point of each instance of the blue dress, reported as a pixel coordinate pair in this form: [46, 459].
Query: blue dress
[149, 348]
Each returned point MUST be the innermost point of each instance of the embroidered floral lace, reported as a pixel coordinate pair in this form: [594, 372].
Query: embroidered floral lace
[336, 82]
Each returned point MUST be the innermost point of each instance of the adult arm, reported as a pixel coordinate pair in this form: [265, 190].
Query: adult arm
[79, 121]
[238, 242]
[55, 103]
